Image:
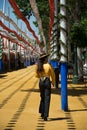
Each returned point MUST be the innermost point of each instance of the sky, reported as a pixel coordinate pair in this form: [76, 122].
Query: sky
[12, 16]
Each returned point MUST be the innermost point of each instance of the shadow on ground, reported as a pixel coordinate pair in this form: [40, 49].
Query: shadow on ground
[2, 76]
[59, 118]
[78, 91]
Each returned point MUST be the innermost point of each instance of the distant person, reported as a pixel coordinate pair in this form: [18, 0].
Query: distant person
[44, 72]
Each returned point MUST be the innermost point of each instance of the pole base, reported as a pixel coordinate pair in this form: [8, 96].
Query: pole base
[0, 65]
[64, 92]
[75, 80]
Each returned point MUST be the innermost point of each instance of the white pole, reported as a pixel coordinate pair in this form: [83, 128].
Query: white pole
[63, 34]
[55, 29]
[53, 43]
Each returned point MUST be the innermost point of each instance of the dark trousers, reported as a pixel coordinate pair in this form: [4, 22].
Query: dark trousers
[56, 70]
[45, 94]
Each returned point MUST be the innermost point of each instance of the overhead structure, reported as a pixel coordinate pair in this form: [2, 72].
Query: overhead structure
[15, 25]
[36, 12]
[12, 31]
[15, 33]
[20, 15]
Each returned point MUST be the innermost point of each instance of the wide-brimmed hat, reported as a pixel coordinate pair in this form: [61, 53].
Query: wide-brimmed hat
[44, 55]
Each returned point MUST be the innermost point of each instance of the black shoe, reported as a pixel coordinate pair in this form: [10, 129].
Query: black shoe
[45, 118]
[42, 116]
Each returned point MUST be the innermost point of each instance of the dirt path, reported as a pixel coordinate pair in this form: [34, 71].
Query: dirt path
[19, 102]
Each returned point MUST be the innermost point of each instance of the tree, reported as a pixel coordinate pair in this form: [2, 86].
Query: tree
[79, 35]
[25, 7]
[76, 9]
[43, 7]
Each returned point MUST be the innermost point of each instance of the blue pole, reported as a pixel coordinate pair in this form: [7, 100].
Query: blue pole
[0, 65]
[64, 94]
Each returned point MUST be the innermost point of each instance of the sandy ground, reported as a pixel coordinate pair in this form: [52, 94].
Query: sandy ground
[19, 102]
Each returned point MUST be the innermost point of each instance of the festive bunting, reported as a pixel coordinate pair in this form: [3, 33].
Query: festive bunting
[12, 31]
[20, 15]
[52, 7]
[35, 10]
[12, 40]
[15, 25]
[18, 36]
